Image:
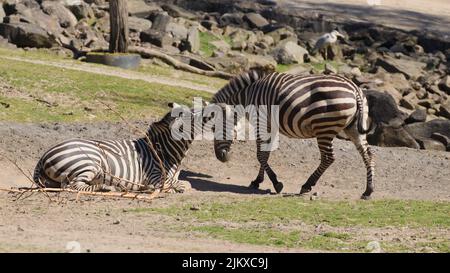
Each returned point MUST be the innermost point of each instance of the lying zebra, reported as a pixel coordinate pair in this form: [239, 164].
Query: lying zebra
[314, 106]
[120, 165]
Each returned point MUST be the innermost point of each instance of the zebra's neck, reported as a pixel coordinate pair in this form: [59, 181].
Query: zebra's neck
[170, 151]
[231, 93]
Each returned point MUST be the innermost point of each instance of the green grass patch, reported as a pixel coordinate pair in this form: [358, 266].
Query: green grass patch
[378, 213]
[205, 43]
[73, 91]
[278, 221]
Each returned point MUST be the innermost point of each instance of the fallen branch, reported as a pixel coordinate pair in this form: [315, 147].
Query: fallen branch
[153, 53]
[138, 196]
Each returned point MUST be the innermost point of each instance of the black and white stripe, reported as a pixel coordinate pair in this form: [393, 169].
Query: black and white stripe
[121, 165]
[314, 106]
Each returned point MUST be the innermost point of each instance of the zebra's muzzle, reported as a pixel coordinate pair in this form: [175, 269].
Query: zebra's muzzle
[222, 155]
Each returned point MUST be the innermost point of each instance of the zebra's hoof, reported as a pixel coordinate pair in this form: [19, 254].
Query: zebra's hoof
[305, 190]
[365, 197]
[254, 185]
[278, 187]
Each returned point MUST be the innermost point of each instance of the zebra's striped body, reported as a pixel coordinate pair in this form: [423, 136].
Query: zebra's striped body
[121, 165]
[314, 106]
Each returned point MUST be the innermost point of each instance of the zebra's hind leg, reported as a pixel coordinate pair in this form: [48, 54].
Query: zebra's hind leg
[360, 141]
[326, 159]
[263, 157]
[84, 182]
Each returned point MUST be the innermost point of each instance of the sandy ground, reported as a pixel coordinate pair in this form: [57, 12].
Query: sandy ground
[34, 224]
[430, 15]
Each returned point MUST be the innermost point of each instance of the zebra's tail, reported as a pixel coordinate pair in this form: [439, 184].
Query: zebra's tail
[362, 112]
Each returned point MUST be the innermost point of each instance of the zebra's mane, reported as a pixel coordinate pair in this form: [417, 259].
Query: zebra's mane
[240, 82]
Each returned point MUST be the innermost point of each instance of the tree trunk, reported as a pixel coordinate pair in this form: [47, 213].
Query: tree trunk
[119, 26]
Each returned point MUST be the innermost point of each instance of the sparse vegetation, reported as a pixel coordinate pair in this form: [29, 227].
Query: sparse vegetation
[46, 93]
[325, 225]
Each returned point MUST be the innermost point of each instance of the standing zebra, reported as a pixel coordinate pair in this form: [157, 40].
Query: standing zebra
[122, 165]
[314, 106]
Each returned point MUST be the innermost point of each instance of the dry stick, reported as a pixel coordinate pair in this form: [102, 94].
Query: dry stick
[26, 175]
[138, 196]
[149, 143]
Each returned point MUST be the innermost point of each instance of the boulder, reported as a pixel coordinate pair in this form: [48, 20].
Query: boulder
[27, 35]
[176, 11]
[444, 84]
[178, 31]
[426, 129]
[383, 109]
[160, 21]
[409, 101]
[419, 115]
[255, 20]
[137, 24]
[260, 61]
[193, 40]
[330, 69]
[431, 144]
[141, 8]
[443, 139]
[58, 10]
[410, 68]
[289, 52]
[234, 64]
[82, 11]
[235, 19]
[156, 37]
[444, 109]
[392, 136]
[281, 34]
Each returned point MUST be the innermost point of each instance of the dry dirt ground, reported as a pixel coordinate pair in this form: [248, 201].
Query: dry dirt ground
[34, 224]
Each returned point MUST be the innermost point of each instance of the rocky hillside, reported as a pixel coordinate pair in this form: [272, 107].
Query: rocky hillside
[405, 74]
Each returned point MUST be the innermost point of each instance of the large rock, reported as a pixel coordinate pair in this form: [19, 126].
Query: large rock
[82, 11]
[178, 31]
[391, 136]
[141, 8]
[161, 21]
[442, 139]
[430, 144]
[157, 38]
[176, 11]
[255, 20]
[193, 40]
[58, 10]
[383, 109]
[137, 24]
[27, 35]
[444, 109]
[260, 61]
[444, 84]
[410, 68]
[419, 115]
[235, 19]
[289, 52]
[424, 130]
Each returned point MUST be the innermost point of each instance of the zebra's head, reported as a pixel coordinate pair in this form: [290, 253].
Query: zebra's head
[173, 124]
[225, 135]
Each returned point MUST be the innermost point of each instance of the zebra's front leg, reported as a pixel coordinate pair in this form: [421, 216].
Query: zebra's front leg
[326, 159]
[263, 158]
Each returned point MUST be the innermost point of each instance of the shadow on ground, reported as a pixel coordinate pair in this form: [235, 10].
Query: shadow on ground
[202, 182]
